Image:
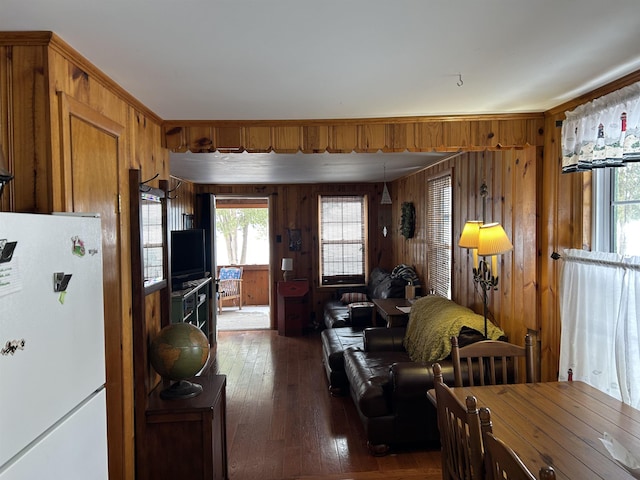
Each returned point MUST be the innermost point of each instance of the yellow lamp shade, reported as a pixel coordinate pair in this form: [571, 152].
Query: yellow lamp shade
[493, 240]
[469, 237]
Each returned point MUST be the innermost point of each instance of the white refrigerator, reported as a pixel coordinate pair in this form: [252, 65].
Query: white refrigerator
[52, 361]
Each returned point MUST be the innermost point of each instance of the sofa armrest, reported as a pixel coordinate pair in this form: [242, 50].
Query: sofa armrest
[361, 314]
[409, 379]
[381, 339]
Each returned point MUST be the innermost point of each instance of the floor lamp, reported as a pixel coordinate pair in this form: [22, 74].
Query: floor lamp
[486, 241]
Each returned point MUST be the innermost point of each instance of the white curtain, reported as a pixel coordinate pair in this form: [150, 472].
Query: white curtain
[604, 132]
[599, 308]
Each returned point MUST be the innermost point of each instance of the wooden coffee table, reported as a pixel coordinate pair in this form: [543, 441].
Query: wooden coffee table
[389, 311]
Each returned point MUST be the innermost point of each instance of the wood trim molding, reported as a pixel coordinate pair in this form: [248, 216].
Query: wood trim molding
[398, 134]
[53, 41]
[32, 38]
[352, 121]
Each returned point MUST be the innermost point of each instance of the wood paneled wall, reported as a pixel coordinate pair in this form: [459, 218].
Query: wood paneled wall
[181, 201]
[295, 206]
[34, 68]
[564, 210]
[69, 73]
[24, 111]
[510, 175]
[254, 278]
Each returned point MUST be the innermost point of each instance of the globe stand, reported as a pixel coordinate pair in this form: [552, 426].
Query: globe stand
[180, 390]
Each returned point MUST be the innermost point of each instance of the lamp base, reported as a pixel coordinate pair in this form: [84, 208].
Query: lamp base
[287, 275]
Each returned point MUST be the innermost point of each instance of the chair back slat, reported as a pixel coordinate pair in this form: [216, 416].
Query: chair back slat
[491, 362]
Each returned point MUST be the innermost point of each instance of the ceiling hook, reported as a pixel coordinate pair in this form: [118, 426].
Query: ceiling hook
[459, 82]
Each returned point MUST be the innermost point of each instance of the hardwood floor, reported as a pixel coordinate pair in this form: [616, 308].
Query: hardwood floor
[283, 424]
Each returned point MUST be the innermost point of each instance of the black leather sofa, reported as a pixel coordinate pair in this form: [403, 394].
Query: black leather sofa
[334, 342]
[352, 306]
[345, 319]
[388, 380]
[389, 391]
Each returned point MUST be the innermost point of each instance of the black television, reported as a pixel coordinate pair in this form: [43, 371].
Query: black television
[187, 256]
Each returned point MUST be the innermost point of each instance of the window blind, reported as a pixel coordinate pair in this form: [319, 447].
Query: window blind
[342, 239]
[439, 235]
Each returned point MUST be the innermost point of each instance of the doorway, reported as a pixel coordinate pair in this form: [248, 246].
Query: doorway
[242, 240]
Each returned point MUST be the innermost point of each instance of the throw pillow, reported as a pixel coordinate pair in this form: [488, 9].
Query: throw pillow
[352, 297]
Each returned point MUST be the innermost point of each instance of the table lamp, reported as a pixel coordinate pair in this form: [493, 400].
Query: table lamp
[287, 268]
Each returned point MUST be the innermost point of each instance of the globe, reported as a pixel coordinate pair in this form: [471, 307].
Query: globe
[177, 352]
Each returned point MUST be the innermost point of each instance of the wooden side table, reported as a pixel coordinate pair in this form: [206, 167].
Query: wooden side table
[387, 309]
[187, 438]
[293, 307]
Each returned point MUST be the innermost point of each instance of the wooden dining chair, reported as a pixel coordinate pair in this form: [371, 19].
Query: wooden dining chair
[460, 434]
[491, 362]
[500, 461]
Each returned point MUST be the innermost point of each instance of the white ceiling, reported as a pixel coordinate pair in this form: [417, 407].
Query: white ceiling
[270, 168]
[332, 59]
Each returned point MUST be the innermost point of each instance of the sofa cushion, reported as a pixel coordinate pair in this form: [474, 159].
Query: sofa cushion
[389, 287]
[433, 321]
[376, 276]
[335, 341]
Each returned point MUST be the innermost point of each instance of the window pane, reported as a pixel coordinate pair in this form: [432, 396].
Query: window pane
[625, 209]
[627, 183]
[342, 239]
[439, 235]
[627, 229]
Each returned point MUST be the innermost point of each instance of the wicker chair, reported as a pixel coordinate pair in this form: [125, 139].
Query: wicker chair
[229, 286]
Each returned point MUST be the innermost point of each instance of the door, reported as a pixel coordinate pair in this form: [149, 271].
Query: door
[92, 153]
[243, 239]
[206, 219]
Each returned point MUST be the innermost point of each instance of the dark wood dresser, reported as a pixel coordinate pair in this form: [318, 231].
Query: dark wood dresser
[187, 438]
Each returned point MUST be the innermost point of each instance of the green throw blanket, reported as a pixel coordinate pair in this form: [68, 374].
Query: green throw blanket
[433, 321]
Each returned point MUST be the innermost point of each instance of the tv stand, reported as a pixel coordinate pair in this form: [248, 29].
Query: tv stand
[191, 304]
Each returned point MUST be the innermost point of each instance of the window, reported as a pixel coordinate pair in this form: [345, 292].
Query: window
[439, 234]
[343, 247]
[152, 236]
[617, 209]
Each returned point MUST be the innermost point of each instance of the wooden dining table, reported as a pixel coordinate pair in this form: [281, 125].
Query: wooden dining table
[559, 424]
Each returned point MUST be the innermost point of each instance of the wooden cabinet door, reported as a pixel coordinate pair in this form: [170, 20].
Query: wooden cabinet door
[91, 155]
